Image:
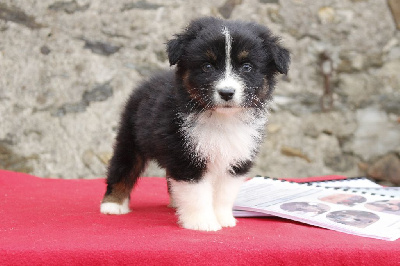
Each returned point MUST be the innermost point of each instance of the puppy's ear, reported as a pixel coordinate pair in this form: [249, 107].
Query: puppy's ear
[279, 56]
[176, 46]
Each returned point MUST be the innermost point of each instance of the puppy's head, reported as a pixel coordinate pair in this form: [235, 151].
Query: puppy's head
[228, 64]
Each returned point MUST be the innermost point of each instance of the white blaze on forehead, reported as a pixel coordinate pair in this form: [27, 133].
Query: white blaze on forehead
[228, 49]
[229, 79]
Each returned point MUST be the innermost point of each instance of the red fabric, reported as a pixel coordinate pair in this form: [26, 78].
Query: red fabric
[53, 221]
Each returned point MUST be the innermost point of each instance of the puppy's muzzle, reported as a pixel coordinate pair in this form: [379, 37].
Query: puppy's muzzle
[226, 93]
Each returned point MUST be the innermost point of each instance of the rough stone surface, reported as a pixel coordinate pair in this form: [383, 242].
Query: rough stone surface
[376, 135]
[67, 67]
[386, 168]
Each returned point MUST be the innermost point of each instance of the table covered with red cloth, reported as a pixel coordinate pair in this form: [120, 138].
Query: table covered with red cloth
[57, 222]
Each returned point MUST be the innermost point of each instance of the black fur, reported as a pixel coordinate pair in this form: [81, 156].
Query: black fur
[150, 126]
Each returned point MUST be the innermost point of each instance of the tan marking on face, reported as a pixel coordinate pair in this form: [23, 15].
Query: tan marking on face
[265, 89]
[243, 55]
[194, 94]
[210, 54]
[185, 79]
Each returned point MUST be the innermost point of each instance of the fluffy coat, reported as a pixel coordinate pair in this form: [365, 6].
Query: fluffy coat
[203, 122]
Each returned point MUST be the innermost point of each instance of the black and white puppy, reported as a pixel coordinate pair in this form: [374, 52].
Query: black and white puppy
[203, 122]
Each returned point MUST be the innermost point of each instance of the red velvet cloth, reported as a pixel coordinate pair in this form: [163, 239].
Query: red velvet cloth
[53, 221]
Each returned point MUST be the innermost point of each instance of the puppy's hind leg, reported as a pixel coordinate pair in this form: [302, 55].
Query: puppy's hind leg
[124, 169]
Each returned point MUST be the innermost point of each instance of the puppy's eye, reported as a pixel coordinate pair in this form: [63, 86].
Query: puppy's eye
[246, 67]
[207, 67]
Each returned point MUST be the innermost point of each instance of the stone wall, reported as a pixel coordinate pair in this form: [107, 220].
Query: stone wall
[66, 68]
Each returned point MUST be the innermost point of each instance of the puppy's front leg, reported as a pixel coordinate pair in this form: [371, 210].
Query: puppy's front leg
[194, 204]
[225, 192]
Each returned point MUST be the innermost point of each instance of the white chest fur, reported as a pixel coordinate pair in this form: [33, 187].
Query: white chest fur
[224, 139]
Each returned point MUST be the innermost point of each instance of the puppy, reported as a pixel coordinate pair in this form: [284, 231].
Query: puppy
[203, 122]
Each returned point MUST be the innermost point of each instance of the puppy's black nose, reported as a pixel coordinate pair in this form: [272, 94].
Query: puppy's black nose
[226, 93]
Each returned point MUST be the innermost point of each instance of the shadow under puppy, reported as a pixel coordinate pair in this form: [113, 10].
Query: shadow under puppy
[203, 122]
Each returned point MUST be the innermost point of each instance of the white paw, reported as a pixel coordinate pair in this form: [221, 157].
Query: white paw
[201, 223]
[226, 219]
[115, 208]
